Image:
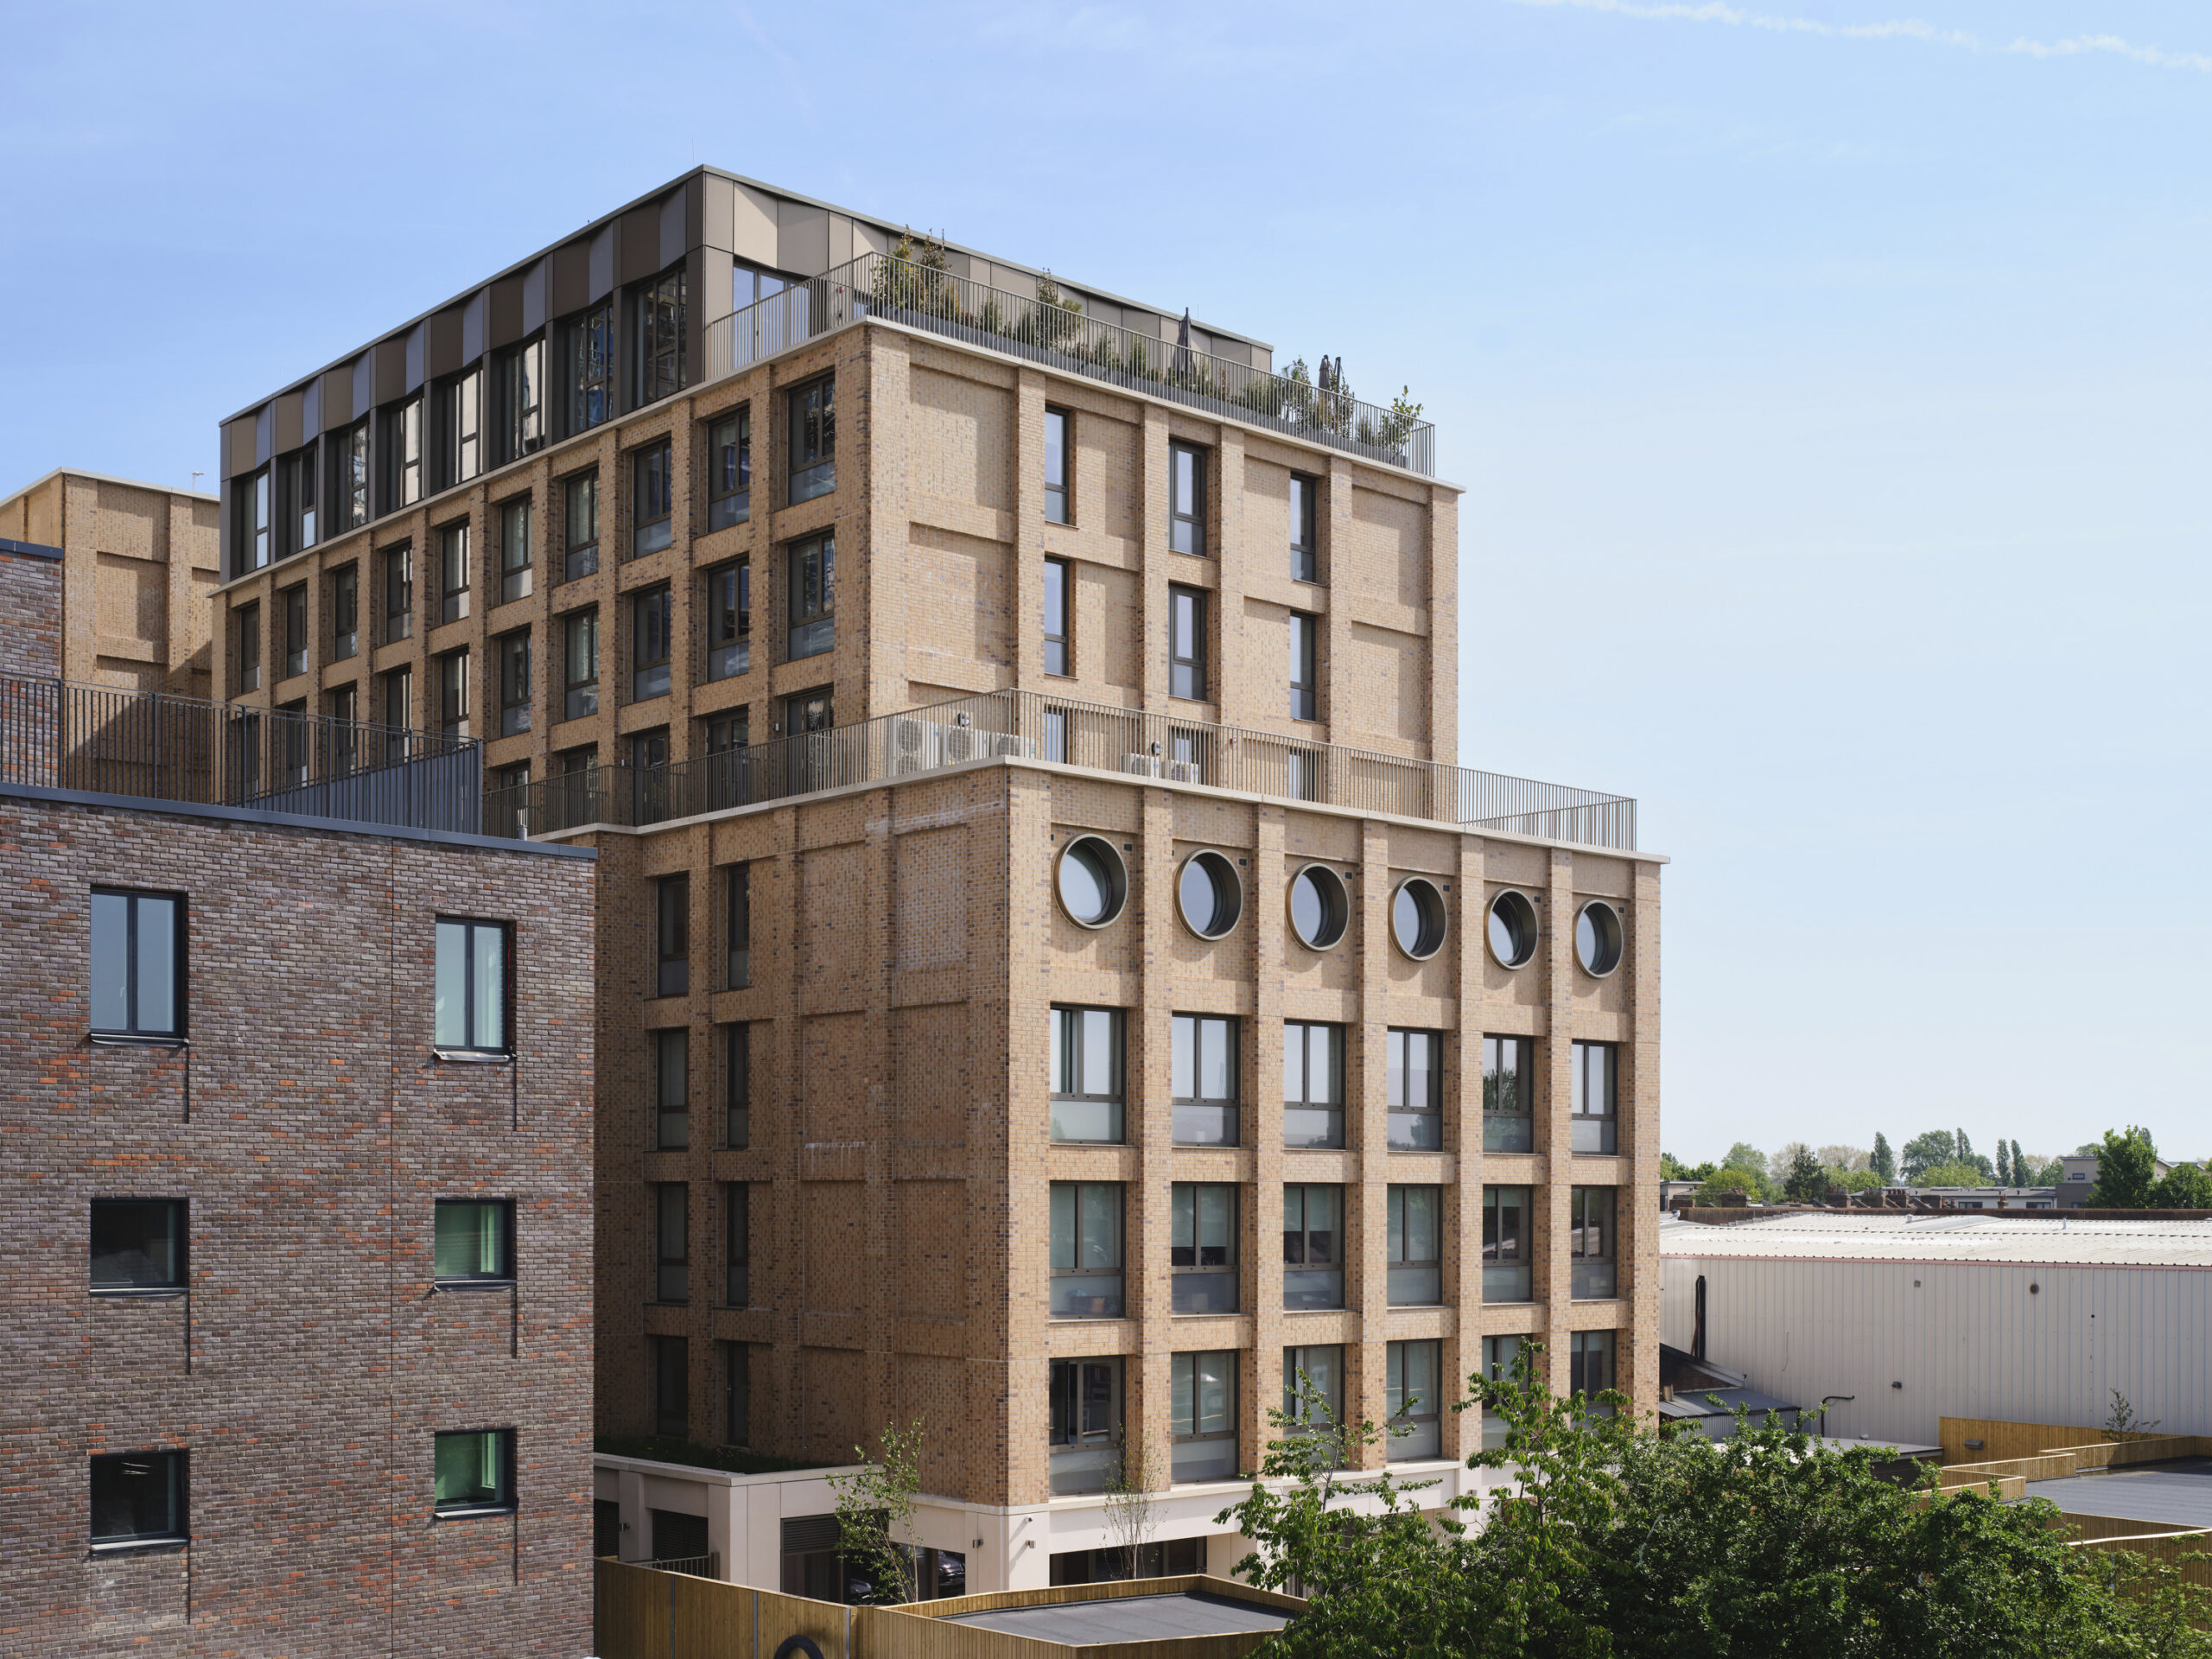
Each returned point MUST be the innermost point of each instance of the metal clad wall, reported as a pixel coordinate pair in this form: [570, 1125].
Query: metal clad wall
[1971, 1341]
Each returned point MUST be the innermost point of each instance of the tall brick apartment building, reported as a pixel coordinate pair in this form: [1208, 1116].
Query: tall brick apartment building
[1053, 981]
[296, 1121]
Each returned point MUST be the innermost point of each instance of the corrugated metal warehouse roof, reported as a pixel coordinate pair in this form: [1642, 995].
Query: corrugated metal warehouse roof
[1956, 1240]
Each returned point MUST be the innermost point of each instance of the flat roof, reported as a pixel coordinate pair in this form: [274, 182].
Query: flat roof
[2177, 1493]
[1996, 1238]
[1128, 1618]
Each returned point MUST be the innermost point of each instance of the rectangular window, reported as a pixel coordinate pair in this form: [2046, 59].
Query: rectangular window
[1414, 1251]
[1203, 1071]
[1202, 1416]
[398, 713]
[1186, 611]
[672, 1249]
[672, 1088]
[1056, 423]
[813, 594]
[1057, 657]
[740, 931]
[474, 1241]
[138, 963]
[1498, 1355]
[1508, 1252]
[344, 740]
[737, 1245]
[520, 379]
[1086, 1424]
[474, 1471]
[138, 1498]
[1410, 1402]
[737, 1394]
[472, 987]
[1590, 1361]
[512, 651]
[579, 526]
[1202, 1246]
[1312, 1247]
[138, 1245]
[253, 533]
[671, 1362]
[730, 470]
[292, 603]
[1594, 1120]
[1186, 483]
[1086, 1060]
[461, 425]
[660, 323]
[452, 573]
[580, 661]
[345, 613]
[737, 1086]
[299, 493]
[652, 613]
[652, 471]
[1305, 549]
[398, 595]
[729, 621]
[1305, 681]
[1312, 1085]
[1590, 1242]
[402, 454]
[588, 366]
[674, 935]
[1319, 1403]
[814, 439]
[453, 695]
[514, 550]
[349, 459]
[1086, 1250]
[1508, 1087]
[249, 647]
[1415, 1073]
[289, 743]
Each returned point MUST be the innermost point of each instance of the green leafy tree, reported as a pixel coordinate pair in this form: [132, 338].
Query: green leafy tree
[1745, 1155]
[1615, 1543]
[1925, 1151]
[1952, 1174]
[1882, 1161]
[1722, 1183]
[2004, 1165]
[2187, 1186]
[2121, 1424]
[1805, 1179]
[875, 1504]
[2127, 1171]
[2020, 1166]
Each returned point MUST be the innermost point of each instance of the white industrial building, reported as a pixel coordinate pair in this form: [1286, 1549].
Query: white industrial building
[2031, 1320]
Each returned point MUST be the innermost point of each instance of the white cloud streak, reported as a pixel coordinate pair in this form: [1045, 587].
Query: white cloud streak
[1905, 29]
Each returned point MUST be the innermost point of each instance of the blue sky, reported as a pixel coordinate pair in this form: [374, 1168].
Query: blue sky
[1829, 381]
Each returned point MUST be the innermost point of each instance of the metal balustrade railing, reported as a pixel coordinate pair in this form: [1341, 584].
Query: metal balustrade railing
[897, 290]
[1035, 726]
[59, 736]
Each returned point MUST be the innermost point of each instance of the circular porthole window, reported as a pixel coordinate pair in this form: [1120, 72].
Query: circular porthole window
[1417, 917]
[1512, 928]
[1093, 882]
[1209, 894]
[1321, 905]
[1598, 939]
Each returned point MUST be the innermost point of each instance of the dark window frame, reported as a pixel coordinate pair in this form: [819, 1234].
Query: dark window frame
[738, 924]
[811, 439]
[586, 352]
[1059, 456]
[503, 1048]
[1197, 1112]
[1424, 1415]
[737, 1085]
[1595, 1131]
[294, 603]
[659, 332]
[1304, 531]
[653, 642]
[1305, 1103]
[672, 934]
[1422, 1126]
[1311, 1253]
[671, 1201]
[730, 619]
[1305, 665]
[810, 598]
[346, 612]
[245, 631]
[1185, 1382]
[652, 497]
[1060, 632]
[1071, 1280]
[454, 685]
[1501, 1114]
[737, 1245]
[134, 1028]
[1186, 515]
[398, 564]
[1508, 1263]
[503, 1500]
[505, 1275]
[519, 382]
[580, 696]
[1069, 1062]
[1593, 1265]
[1196, 1269]
[1186, 642]
[517, 547]
[1411, 1280]
[456, 571]
[178, 1245]
[729, 468]
[513, 651]
[580, 510]
[176, 1461]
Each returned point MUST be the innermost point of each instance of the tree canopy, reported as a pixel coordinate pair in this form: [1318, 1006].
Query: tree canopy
[2187, 1186]
[1613, 1541]
[2127, 1171]
[1882, 1161]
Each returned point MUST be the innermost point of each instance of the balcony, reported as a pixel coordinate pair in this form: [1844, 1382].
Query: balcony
[1031, 725]
[56, 735]
[896, 290]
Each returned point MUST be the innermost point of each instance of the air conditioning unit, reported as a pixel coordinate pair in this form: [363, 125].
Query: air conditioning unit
[1184, 771]
[965, 743]
[1144, 765]
[916, 746]
[1006, 743]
